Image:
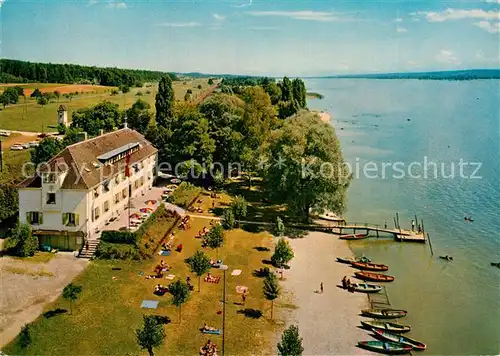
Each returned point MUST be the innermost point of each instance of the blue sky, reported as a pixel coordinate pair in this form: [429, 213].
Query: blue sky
[265, 37]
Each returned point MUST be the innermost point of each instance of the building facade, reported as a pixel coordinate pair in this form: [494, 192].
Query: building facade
[77, 192]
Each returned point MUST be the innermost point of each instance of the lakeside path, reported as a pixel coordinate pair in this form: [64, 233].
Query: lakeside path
[327, 322]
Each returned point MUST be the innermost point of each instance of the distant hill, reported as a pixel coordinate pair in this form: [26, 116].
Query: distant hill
[467, 74]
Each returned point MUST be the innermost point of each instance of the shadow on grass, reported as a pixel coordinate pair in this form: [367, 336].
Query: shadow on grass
[218, 211]
[161, 319]
[261, 273]
[251, 313]
[51, 313]
[267, 262]
[252, 228]
[261, 249]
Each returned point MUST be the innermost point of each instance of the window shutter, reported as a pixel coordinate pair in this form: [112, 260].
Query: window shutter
[28, 217]
[40, 218]
[65, 217]
[77, 219]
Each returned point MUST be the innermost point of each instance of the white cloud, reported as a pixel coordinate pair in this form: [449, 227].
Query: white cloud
[448, 57]
[179, 24]
[219, 17]
[1, 2]
[116, 5]
[491, 27]
[492, 1]
[243, 5]
[412, 63]
[299, 15]
[399, 19]
[92, 2]
[456, 14]
[401, 29]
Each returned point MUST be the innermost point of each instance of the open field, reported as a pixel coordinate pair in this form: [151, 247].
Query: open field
[108, 311]
[61, 88]
[29, 116]
[13, 160]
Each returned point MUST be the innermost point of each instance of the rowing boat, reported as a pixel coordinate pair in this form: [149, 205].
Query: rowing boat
[353, 236]
[384, 313]
[384, 325]
[417, 345]
[392, 348]
[376, 277]
[350, 260]
[366, 288]
[369, 266]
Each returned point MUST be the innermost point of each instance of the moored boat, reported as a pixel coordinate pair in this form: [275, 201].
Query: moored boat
[370, 266]
[392, 348]
[384, 313]
[405, 340]
[366, 288]
[385, 325]
[350, 260]
[353, 236]
[376, 277]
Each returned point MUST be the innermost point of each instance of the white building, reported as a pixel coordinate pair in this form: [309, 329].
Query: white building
[78, 191]
[62, 115]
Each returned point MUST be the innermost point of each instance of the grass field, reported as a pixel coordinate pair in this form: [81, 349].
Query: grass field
[13, 160]
[108, 311]
[29, 116]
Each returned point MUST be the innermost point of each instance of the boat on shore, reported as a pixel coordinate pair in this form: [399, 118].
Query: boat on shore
[384, 313]
[375, 277]
[353, 236]
[332, 217]
[369, 266]
[392, 348]
[414, 344]
[366, 288]
[350, 260]
[385, 325]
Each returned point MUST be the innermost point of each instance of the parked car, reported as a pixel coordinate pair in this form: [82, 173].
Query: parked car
[26, 145]
[34, 144]
[16, 147]
[4, 133]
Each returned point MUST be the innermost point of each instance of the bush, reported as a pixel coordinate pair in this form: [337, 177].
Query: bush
[24, 338]
[114, 251]
[120, 237]
[185, 194]
[21, 242]
[228, 220]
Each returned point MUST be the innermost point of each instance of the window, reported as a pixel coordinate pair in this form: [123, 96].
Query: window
[70, 219]
[34, 218]
[117, 198]
[117, 179]
[136, 184]
[51, 198]
[49, 178]
[124, 193]
[106, 206]
[142, 180]
[105, 186]
[96, 193]
[96, 214]
[124, 176]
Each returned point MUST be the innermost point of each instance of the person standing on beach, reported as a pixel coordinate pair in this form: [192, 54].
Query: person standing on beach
[385, 225]
[321, 287]
[413, 225]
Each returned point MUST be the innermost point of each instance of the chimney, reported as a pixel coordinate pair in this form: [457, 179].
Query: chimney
[101, 132]
[125, 124]
[85, 136]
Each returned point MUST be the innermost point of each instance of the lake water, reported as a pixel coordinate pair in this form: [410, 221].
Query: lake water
[453, 306]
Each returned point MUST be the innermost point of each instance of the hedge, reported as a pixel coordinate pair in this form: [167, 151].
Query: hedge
[116, 251]
[119, 237]
[184, 194]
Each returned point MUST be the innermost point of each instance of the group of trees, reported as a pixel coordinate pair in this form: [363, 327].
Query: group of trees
[21, 242]
[11, 95]
[15, 71]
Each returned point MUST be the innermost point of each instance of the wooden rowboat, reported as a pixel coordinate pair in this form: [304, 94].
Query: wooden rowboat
[353, 236]
[369, 266]
[384, 313]
[417, 345]
[366, 288]
[384, 325]
[350, 260]
[370, 276]
[391, 348]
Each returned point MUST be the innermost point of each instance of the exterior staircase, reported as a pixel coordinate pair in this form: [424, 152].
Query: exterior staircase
[90, 252]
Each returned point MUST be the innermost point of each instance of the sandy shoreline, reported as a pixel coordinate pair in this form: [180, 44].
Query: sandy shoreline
[328, 322]
[325, 116]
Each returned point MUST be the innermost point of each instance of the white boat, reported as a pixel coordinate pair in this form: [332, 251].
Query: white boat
[331, 217]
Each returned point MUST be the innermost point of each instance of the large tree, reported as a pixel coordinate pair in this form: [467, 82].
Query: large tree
[307, 169]
[71, 293]
[199, 264]
[283, 253]
[165, 100]
[21, 241]
[47, 149]
[138, 116]
[299, 92]
[151, 334]
[105, 115]
[180, 294]
[215, 238]
[286, 89]
[9, 201]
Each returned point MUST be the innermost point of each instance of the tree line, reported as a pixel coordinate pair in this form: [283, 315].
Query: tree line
[15, 71]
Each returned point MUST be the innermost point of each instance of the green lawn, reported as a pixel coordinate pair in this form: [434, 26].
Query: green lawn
[12, 163]
[29, 116]
[108, 312]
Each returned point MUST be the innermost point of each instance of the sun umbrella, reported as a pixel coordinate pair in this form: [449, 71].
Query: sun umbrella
[175, 180]
[150, 202]
[135, 216]
[146, 210]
